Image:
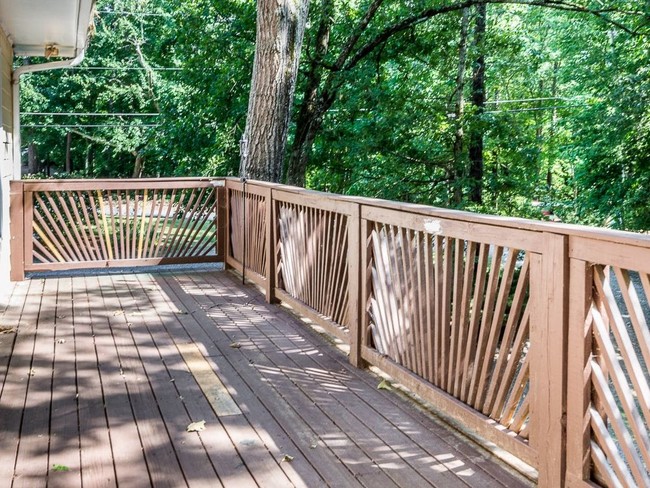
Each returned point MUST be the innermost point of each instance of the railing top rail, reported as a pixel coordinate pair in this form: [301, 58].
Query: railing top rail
[116, 183]
[570, 230]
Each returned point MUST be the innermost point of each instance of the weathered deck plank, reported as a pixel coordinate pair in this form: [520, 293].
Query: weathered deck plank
[13, 405]
[95, 401]
[65, 447]
[32, 457]
[372, 408]
[110, 395]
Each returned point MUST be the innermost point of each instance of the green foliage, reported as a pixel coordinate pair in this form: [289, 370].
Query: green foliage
[566, 126]
[188, 64]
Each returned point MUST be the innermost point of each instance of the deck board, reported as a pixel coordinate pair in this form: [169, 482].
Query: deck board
[97, 457]
[313, 369]
[110, 395]
[65, 448]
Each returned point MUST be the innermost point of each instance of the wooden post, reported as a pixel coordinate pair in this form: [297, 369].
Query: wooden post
[227, 227]
[549, 289]
[28, 227]
[365, 277]
[17, 231]
[270, 245]
[578, 373]
[222, 216]
[355, 305]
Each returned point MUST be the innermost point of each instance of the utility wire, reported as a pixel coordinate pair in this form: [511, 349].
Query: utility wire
[526, 100]
[144, 14]
[71, 126]
[120, 68]
[535, 109]
[92, 114]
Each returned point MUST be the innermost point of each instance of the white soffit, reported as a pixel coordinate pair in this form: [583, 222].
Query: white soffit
[34, 24]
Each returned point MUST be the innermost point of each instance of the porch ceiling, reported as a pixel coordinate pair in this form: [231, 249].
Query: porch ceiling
[34, 24]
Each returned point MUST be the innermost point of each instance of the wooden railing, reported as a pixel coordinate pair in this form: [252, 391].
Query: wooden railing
[67, 224]
[532, 335]
[608, 403]
[535, 336]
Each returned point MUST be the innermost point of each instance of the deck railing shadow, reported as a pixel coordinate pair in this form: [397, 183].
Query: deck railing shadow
[508, 326]
[533, 336]
[283, 364]
[77, 374]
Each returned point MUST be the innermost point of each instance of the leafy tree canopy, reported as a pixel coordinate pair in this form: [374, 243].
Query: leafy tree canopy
[565, 123]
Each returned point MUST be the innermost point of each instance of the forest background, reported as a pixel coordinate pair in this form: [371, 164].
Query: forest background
[537, 111]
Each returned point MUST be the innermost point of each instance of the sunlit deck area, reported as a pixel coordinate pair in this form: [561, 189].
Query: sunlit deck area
[101, 375]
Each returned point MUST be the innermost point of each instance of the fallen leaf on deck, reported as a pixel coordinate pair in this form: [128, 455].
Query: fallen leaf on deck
[118, 312]
[196, 426]
[60, 467]
[235, 345]
[383, 385]
[182, 312]
[32, 372]
[60, 316]
[5, 329]
[286, 459]
[61, 341]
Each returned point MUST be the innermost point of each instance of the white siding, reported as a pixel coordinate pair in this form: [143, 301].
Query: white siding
[6, 156]
[7, 57]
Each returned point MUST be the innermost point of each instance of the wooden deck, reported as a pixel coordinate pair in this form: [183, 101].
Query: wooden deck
[100, 377]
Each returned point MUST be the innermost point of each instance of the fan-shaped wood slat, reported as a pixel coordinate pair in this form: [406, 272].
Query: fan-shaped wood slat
[312, 262]
[455, 312]
[94, 227]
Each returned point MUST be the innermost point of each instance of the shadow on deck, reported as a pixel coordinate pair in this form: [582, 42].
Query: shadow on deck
[100, 377]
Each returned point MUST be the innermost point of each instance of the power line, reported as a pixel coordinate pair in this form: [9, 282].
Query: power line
[535, 109]
[526, 100]
[118, 68]
[72, 126]
[125, 12]
[92, 114]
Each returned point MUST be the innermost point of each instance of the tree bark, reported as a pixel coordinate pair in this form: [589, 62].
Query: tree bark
[478, 100]
[138, 165]
[320, 95]
[458, 167]
[280, 30]
[68, 155]
[310, 115]
[90, 156]
[32, 160]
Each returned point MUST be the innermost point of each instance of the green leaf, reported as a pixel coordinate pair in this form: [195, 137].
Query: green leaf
[383, 385]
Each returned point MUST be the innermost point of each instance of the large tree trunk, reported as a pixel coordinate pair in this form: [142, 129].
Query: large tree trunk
[478, 100]
[280, 30]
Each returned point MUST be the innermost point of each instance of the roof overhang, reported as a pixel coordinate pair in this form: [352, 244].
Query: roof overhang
[33, 25]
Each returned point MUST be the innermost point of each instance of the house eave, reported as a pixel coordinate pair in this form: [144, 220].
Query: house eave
[33, 25]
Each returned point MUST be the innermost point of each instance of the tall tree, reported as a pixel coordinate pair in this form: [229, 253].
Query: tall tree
[478, 101]
[370, 30]
[278, 42]
[458, 166]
